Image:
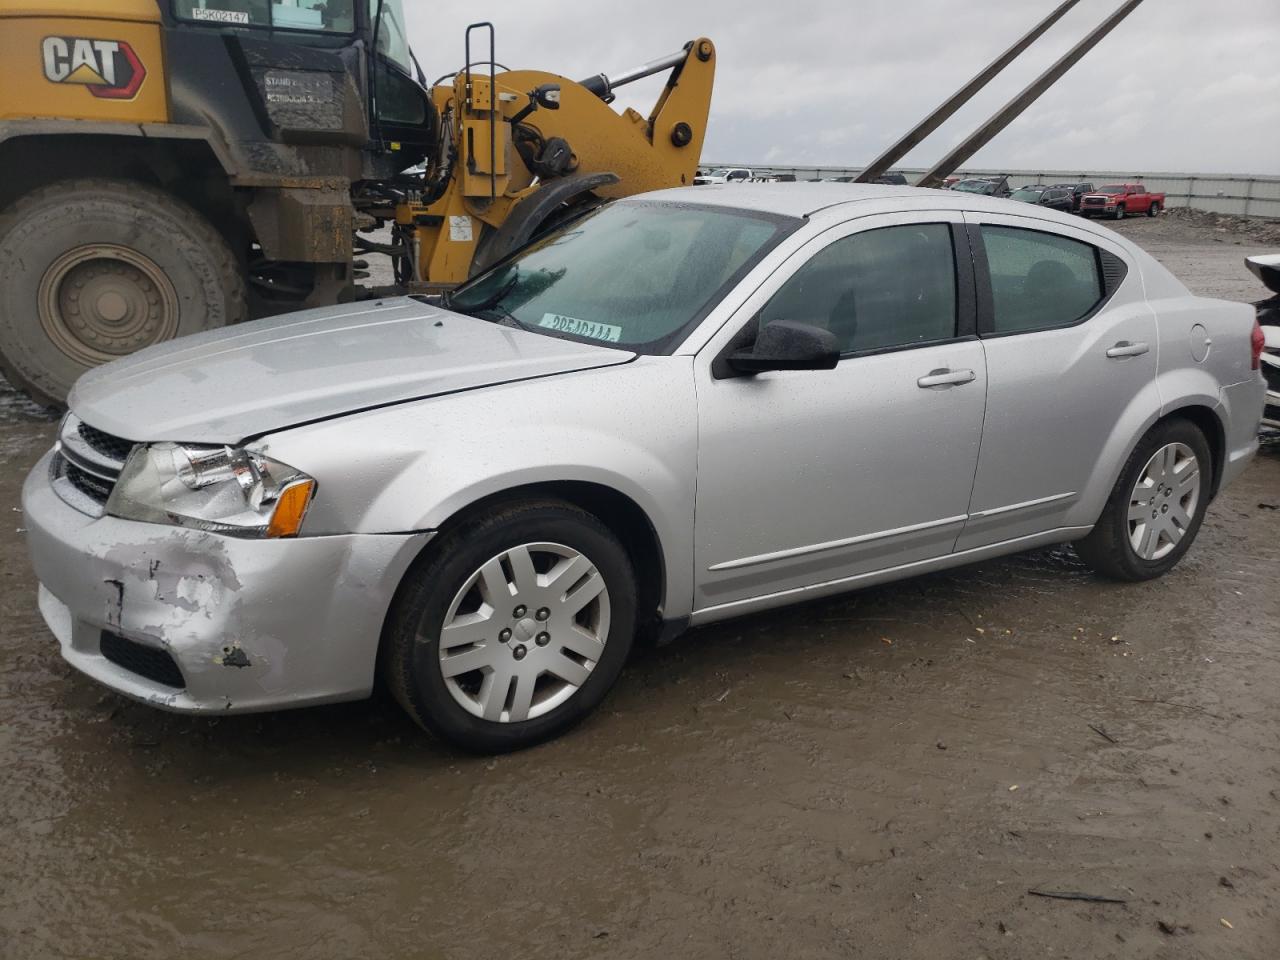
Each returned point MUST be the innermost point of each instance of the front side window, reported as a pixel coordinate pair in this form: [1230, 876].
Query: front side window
[891, 287]
[636, 273]
[318, 16]
[1039, 280]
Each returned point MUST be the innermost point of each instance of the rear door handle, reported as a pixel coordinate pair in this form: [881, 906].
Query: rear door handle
[1126, 349]
[945, 377]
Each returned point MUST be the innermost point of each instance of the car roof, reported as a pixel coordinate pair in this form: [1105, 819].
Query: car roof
[806, 198]
[789, 199]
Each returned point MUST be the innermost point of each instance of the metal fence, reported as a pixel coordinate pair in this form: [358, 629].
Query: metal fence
[1241, 195]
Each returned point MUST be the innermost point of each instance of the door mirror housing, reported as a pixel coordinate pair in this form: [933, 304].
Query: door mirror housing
[788, 345]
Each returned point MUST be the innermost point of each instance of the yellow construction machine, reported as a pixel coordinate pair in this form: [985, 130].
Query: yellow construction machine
[171, 166]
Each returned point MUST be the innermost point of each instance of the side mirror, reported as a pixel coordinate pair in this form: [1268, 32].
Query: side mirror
[787, 345]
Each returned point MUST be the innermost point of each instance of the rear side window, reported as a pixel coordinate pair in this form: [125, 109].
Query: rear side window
[1040, 280]
[891, 287]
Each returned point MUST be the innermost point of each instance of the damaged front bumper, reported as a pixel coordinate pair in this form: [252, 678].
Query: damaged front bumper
[197, 622]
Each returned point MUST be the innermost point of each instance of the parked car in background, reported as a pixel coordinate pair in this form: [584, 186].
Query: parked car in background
[1118, 200]
[1055, 198]
[985, 186]
[664, 413]
[1078, 190]
[1266, 268]
[725, 175]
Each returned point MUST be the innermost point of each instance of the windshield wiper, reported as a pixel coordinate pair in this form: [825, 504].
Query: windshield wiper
[488, 302]
[504, 316]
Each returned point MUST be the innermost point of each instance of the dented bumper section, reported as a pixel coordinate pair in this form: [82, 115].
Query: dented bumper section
[248, 624]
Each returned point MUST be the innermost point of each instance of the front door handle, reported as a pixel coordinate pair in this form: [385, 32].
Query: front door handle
[1126, 349]
[945, 377]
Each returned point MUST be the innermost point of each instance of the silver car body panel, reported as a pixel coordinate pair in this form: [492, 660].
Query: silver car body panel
[225, 385]
[787, 493]
[760, 490]
[251, 624]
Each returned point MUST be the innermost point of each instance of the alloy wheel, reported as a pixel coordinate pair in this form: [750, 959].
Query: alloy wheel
[1164, 501]
[524, 632]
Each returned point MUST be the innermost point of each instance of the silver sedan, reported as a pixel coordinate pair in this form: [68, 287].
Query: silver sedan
[678, 408]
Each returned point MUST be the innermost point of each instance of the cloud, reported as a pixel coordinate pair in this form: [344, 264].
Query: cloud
[1180, 85]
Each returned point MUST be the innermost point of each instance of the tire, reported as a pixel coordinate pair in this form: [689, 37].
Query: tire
[480, 710]
[1109, 548]
[153, 267]
[1153, 210]
[1119, 214]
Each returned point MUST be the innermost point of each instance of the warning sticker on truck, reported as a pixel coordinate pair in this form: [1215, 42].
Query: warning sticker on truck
[460, 229]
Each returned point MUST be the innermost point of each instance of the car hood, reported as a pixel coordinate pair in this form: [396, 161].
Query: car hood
[258, 377]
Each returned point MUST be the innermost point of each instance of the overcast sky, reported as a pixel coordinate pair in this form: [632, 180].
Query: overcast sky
[1181, 85]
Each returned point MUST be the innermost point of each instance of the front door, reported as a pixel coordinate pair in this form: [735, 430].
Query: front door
[814, 476]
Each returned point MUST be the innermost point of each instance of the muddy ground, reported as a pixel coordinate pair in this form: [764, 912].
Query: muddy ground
[883, 775]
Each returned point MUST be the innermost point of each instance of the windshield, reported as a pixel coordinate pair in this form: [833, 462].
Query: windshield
[1112, 188]
[636, 273]
[393, 41]
[321, 16]
[1027, 193]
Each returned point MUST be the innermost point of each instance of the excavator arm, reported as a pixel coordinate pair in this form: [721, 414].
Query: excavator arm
[525, 144]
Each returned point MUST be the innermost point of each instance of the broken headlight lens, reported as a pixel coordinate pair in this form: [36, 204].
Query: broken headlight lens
[221, 489]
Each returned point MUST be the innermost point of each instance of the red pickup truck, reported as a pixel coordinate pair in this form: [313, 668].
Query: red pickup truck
[1114, 200]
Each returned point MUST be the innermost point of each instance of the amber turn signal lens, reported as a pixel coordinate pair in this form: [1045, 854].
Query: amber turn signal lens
[286, 521]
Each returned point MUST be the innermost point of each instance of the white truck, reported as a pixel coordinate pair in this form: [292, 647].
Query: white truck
[725, 175]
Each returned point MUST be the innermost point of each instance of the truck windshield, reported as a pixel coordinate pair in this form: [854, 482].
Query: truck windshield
[317, 16]
[1112, 188]
[638, 274]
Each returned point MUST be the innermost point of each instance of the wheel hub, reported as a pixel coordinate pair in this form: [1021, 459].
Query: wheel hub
[524, 632]
[102, 301]
[1164, 501]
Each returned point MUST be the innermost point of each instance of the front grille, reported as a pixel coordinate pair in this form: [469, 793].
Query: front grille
[1094, 201]
[155, 665]
[113, 448]
[86, 465]
[94, 488]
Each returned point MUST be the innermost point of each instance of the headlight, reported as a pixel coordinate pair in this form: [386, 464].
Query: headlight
[222, 489]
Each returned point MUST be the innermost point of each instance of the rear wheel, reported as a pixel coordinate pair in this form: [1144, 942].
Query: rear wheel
[514, 628]
[93, 270]
[1156, 507]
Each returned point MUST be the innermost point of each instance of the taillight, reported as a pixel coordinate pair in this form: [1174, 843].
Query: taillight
[1256, 343]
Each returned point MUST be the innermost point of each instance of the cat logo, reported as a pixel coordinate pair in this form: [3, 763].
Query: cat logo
[109, 68]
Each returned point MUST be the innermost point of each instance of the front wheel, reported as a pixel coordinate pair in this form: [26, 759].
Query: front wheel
[1119, 214]
[1153, 210]
[514, 628]
[1156, 507]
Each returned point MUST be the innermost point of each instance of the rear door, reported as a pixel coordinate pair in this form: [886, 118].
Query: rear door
[1070, 344]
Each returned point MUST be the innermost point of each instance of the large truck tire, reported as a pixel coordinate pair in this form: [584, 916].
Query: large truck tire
[95, 269]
